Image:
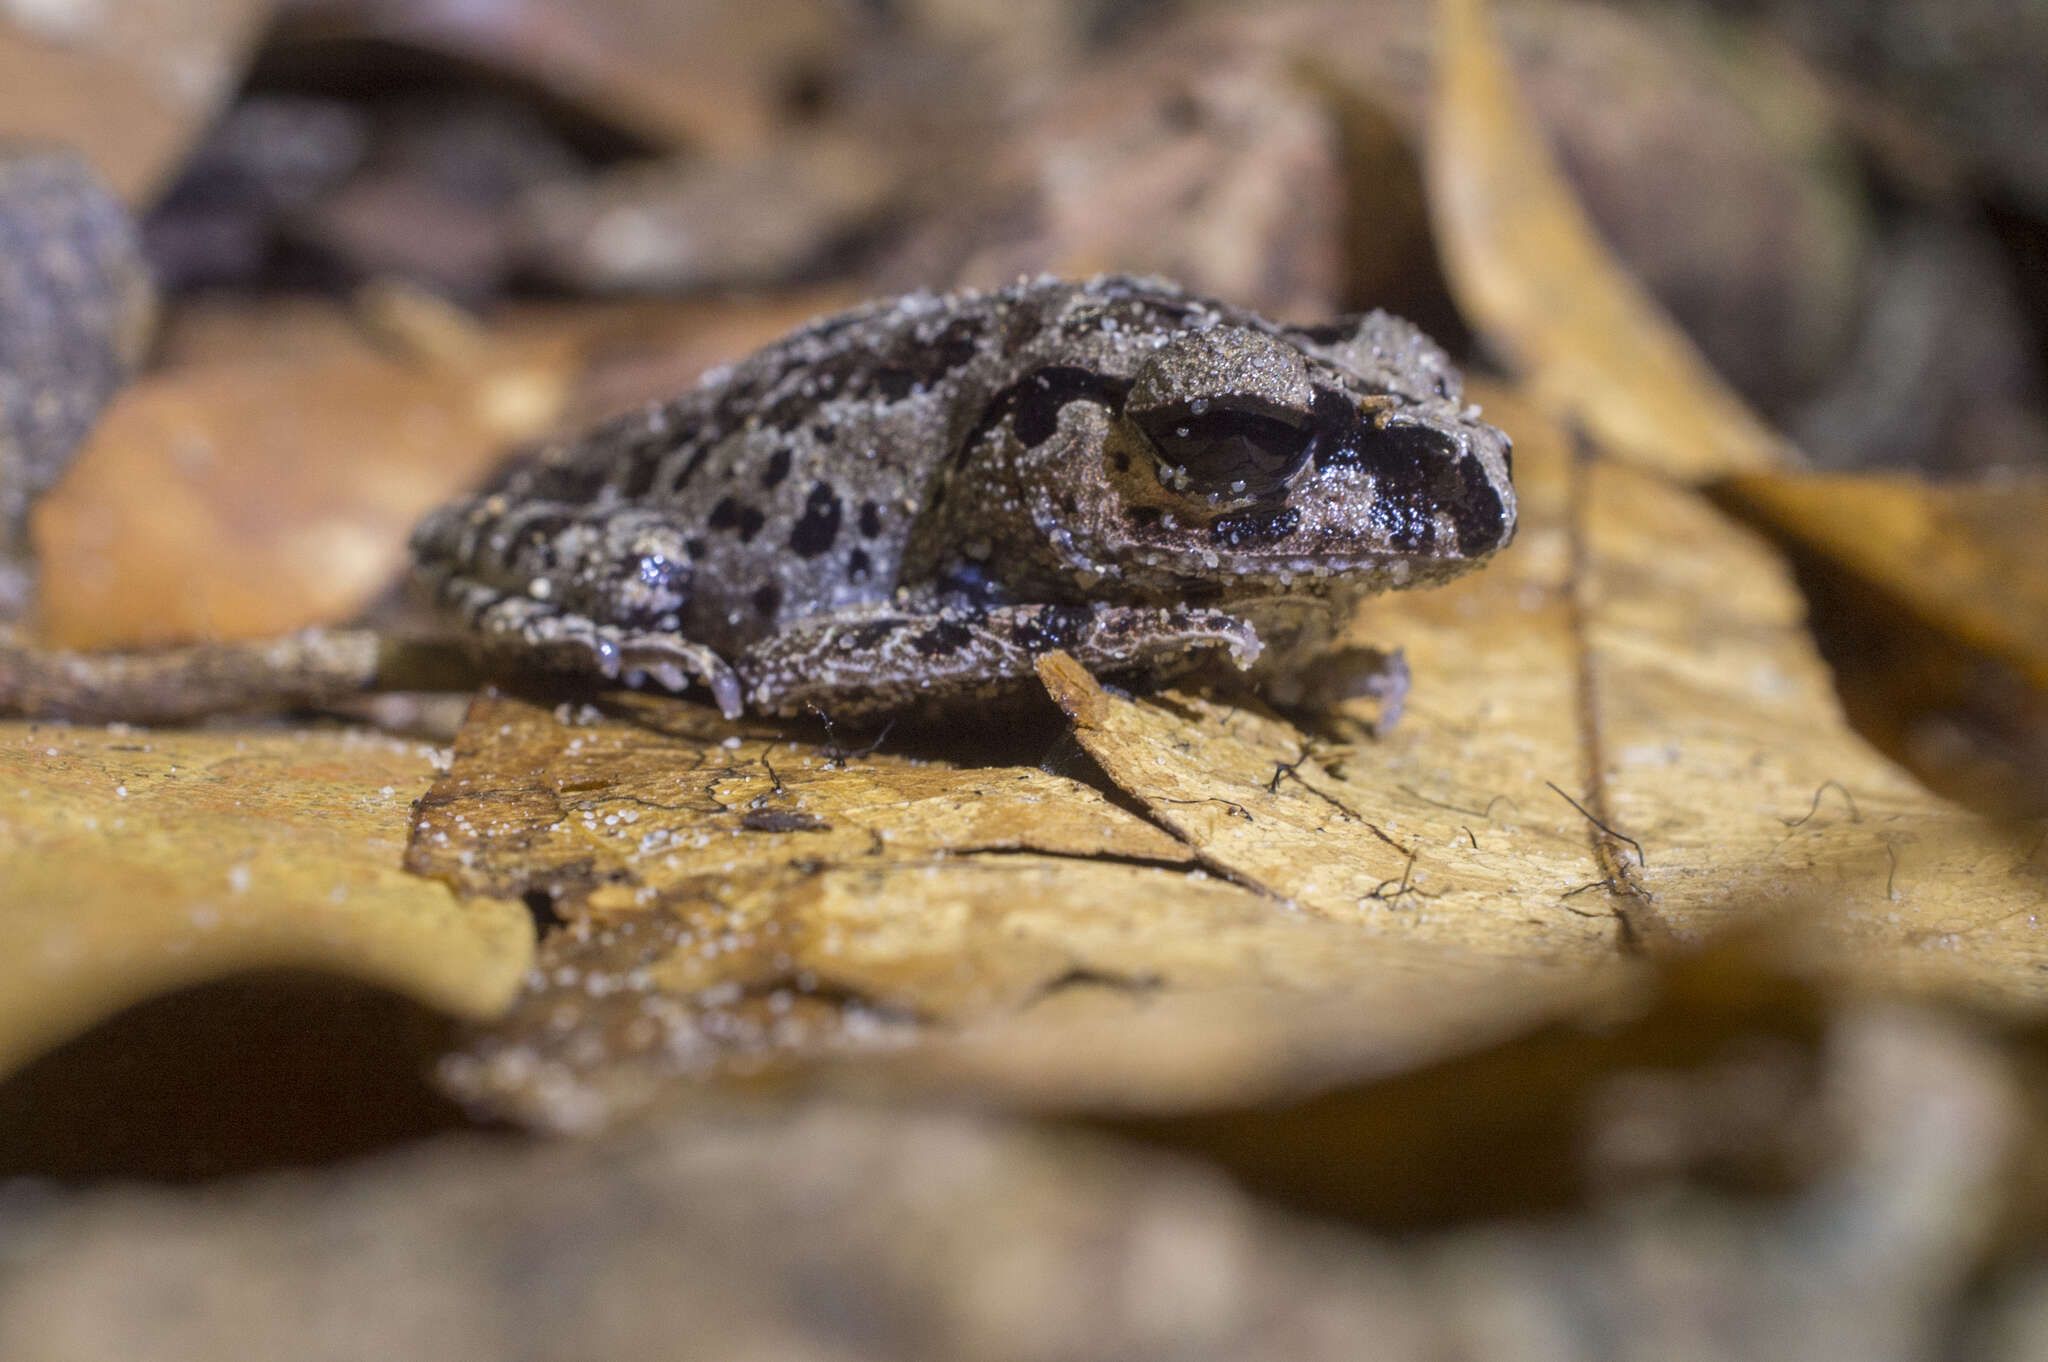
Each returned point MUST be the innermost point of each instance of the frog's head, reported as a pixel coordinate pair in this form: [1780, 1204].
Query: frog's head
[1253, 461]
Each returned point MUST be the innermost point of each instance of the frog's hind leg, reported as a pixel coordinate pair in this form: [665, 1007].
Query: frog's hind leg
[874, 658]
[522, 630]
[574, 590]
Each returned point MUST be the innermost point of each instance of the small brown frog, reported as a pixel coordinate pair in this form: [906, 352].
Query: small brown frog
[906, 505]
[911, 501]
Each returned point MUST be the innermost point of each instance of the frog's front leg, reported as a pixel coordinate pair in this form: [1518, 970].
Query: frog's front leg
[874, 658]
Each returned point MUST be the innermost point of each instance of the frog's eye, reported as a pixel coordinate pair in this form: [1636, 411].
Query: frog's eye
[1234, 451]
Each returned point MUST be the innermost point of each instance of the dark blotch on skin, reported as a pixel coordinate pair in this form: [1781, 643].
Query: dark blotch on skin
[824, 434]
[1476, 512]
[725, 515]
[916, 362]
[694, 547]
[1417, 472]
[870, 520]
[953, 347]
[942, 638]
[798, 402]
[1249, 529]
[818, 526]
[1401, 519]
[691, 465]
[1041, 397]
[867, 636]
[777, 469]
[859, 565]
[751, 521]
[767, 600]
[1032, 404]
[895, 383]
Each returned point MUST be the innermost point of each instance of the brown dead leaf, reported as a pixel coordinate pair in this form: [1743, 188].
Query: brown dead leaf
[692, 223]
[747, 1229]
[1656, 122]
[1931, 604]
[130, 85]
[1532, 276]
[671, 793]
[738, 898]
[1965, 557]
[1197, 155]
[688, 75]
[139, 862]
[281, 474]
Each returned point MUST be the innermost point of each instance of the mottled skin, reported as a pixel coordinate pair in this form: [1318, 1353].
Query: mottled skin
[911, 501]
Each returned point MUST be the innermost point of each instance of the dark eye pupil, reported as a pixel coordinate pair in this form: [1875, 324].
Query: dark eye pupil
[1228, 451]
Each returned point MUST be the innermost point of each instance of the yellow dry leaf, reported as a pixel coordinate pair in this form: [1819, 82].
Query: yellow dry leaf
[1965, 558]
[1531, 275]
[131, 86]
[738, 897]
[1931, 604]
[281, 474]
[133, 863]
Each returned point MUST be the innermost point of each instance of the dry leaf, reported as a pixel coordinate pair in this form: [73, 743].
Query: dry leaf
[832, 1232]
[678, 75]
[1931, 603]
[131, 85]
[1532, 276]
[836, 1231]
[139, 862]
[737, 897]
[1199, 157]
[1964, 557]
[281, 483]
[1695, 157]
[693, 224]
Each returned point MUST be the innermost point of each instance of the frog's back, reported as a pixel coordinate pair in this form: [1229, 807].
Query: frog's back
[781, 486]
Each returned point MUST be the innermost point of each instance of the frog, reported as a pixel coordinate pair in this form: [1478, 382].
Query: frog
[911, 502]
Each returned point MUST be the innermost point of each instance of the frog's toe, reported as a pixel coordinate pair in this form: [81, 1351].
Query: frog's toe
[674, 663]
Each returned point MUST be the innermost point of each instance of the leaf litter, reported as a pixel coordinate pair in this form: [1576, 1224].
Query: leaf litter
[1622, 743]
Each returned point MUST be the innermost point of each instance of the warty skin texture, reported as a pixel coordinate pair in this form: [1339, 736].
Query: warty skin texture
[909, 502]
